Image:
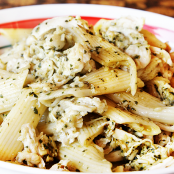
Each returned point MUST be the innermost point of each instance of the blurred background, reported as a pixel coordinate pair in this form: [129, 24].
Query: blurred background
[165, 7]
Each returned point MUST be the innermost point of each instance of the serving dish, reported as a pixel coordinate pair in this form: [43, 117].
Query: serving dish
[30, 16]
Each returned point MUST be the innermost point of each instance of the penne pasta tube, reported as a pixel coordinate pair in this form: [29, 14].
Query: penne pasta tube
[85, 158]
[26, 110]
[168, 162]
[89, 131]
[107, 54]
[101, 50]
[101, 81]
[11, 87]
[5, 74]
[106, 80]
[139, 124]
[165, 127]
[48, 98]
[152, 39]
[145, 105]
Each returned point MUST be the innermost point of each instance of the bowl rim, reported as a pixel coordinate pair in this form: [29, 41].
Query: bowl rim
[31, 170]
[78, 9]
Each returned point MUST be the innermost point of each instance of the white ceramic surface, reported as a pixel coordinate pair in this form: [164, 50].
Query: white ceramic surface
[162, 26]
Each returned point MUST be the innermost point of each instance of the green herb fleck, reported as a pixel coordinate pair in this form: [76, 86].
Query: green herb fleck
[35, 110]
[49, 93]
[136, 102]
[136, 56]
[37, 29]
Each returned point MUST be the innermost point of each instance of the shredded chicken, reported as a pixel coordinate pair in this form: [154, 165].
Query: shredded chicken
[124, 33]
[160, 87]
[36, 147]
[141, 153]
[68, 116]
[52, 57]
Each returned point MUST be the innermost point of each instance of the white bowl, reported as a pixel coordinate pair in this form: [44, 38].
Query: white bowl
[162, 26]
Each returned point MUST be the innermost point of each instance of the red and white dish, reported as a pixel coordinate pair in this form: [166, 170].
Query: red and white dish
[29, 16]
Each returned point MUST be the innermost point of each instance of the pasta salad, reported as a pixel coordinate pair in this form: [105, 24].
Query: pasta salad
[82, 98]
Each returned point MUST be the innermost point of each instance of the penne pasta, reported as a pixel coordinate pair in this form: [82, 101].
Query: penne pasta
[133, 121]
[145, 105]
[48, 98]
[91, 130]
[26, 110]
[107, 54]
[85, 158]
[101, 81]
[105, 80]
[152, 39]
[11, 87]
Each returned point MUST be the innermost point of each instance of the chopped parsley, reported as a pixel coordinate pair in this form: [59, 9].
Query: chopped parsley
[35, 110]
